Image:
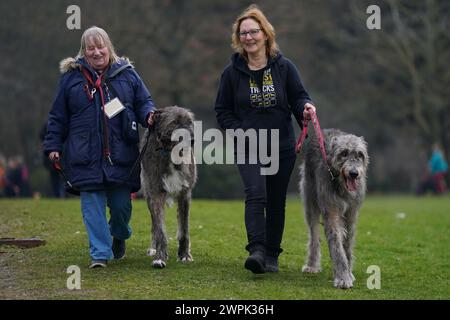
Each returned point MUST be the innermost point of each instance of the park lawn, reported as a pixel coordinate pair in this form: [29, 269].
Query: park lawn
[408, 238]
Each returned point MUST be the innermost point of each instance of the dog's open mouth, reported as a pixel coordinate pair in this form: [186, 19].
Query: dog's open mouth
[351, 184]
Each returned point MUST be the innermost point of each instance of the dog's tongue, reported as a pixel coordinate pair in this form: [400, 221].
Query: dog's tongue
[351, 184]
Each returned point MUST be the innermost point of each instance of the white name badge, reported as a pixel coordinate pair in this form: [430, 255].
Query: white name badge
[113, 108]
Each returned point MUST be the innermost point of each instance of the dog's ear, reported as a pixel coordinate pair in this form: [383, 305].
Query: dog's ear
[332, 144]
[191, 115]
[363, 141]
[156, 124]
[365, 149]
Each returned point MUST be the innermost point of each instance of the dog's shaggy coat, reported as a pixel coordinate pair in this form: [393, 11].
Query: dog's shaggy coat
[337, 199]
[163, 180]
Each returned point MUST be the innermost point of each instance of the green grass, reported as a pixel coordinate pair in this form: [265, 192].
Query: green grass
[412, 253]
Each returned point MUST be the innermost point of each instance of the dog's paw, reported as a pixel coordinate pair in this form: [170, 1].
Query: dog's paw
[151, 252]
[309, 269]
[344, 282]
[158, 264]
[185, 258]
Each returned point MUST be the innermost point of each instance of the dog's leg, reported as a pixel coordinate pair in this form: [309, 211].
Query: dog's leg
[159, 238]
[350, 225]
[312, 215]
[151, 251]
[335, 232]
[184, 245]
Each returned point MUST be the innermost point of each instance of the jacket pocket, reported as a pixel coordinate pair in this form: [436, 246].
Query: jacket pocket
[80, 148]
[130, 132]
[78, 100]
[122, 153]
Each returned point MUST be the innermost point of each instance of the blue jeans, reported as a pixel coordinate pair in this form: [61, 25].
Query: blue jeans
[93, 207]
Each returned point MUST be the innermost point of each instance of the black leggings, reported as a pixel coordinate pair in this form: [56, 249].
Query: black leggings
[265, 200]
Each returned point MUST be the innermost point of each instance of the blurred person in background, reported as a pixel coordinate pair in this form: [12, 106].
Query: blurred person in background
[17, 178]
[2, 174]
[438, 167]
[435, 174]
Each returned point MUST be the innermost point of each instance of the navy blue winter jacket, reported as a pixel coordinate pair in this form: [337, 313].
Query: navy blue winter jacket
[243, 102]
[76, 123]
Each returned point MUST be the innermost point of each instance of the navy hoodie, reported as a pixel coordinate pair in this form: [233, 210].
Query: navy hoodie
[244, 102]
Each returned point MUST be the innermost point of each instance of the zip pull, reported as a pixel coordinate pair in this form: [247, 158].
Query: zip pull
[109, 160]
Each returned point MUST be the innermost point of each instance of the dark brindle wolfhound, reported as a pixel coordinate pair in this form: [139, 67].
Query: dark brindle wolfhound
[338, 200]
[162, 180]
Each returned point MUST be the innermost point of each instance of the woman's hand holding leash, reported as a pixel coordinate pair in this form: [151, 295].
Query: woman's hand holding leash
[309, 114]
[54, 156]
[150, 118]
[307, 109]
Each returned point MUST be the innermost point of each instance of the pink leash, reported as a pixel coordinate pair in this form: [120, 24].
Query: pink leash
[319, 136]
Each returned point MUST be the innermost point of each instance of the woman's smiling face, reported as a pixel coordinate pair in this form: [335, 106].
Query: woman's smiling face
[253, 39]
[97, 54]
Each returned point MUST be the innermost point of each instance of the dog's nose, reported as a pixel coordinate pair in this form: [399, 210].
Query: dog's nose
[353, 174]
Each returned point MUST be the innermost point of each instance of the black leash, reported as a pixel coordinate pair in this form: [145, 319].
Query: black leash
[141, 153]
[68, 186]
[74, 190]
[150, 128]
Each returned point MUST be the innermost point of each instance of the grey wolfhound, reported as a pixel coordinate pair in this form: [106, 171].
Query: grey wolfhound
[337, 199]
[164, 179]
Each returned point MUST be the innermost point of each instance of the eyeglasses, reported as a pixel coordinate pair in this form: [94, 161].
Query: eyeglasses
[252, 33]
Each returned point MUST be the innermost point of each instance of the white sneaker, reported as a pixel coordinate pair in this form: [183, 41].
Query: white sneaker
[98, 264]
